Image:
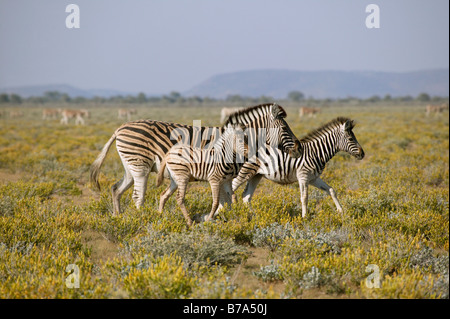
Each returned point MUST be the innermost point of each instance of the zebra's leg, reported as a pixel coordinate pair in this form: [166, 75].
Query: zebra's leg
[250, 188]
[304, 197]
[226, 193]
[167, 193]
[215, 189]
[118, 189]
[225, 196]
[182, 185]
[319, 183]
[247, 172]
[140, 185]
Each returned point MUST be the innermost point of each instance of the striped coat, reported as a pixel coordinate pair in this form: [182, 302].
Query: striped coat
[143, 144]
[318, 147]
[217, 166]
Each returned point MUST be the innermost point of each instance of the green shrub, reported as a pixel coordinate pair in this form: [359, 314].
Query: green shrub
[194, 247]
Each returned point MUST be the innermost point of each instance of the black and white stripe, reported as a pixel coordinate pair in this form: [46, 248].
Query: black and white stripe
[143, 144]
[317, 148]
[217, 166]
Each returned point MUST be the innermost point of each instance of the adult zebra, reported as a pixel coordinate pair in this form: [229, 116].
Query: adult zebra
[318, 147]
[143, 144]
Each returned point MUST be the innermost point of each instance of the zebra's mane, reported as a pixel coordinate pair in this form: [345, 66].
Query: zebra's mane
[333, 124]
[243, 114]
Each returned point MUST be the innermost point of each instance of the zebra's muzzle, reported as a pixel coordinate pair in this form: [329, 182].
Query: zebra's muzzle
[360, 155]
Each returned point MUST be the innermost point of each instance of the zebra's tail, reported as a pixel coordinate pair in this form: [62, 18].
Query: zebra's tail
[162, 168]
[95, 167]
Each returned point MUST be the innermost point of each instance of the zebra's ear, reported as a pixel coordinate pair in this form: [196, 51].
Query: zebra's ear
[349, 125]
[237, 126]
[278, 112]
[242, 126]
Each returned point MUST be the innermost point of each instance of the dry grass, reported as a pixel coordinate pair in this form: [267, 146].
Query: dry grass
[396, 216]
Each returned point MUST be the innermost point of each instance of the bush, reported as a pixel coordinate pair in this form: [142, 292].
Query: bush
[269, 273]
[271, 236]
[196, 247]
[166, 278]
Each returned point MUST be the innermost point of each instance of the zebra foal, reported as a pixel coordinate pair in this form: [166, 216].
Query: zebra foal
[217, 166]
[318, 147]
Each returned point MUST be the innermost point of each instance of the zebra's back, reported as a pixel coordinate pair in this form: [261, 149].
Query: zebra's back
[199, 164]
[143, 141]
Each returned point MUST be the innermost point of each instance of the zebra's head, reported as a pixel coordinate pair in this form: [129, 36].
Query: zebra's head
[269, 119]
[281, 135]
[348, 141]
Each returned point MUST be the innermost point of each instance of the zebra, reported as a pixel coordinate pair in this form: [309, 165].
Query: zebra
[217, 166]
[318, 147]
[143, 144]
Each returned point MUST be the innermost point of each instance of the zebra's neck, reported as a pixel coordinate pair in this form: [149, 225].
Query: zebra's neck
[256, 117]
[319, 150]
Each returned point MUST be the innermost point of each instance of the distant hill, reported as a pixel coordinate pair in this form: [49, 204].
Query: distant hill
[324, 84]
[278, 83]
[39, 90]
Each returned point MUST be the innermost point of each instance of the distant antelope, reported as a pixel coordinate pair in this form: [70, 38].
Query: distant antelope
[227, 111]
[122, 113]
[78, 115]
[436, 108]
[50, 113]
[311, 111]
[14, 114]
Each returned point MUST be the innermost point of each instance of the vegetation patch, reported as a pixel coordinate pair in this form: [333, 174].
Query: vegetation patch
[391, 240]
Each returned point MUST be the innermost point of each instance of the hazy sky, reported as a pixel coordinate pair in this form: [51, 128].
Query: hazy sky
[157, 46]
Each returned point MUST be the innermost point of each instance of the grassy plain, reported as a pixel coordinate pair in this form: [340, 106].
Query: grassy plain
[395, 224]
